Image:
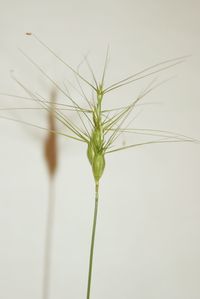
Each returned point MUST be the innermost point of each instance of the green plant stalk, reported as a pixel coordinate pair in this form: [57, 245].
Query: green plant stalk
[96, 158]
[93, 239]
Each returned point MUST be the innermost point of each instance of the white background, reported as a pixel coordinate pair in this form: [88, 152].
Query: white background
[148, 240]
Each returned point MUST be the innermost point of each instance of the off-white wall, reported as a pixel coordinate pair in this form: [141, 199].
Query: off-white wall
[148, 241]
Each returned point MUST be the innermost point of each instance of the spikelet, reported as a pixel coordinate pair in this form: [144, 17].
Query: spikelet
[98, 166]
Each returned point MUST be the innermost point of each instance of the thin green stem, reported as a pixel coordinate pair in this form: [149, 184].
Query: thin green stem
[93, 239]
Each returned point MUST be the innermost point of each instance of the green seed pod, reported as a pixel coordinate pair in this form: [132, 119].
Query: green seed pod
[97, 138]
[90, 152]
[98, 166]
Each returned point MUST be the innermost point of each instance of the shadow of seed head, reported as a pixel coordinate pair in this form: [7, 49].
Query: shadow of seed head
[50, 148]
